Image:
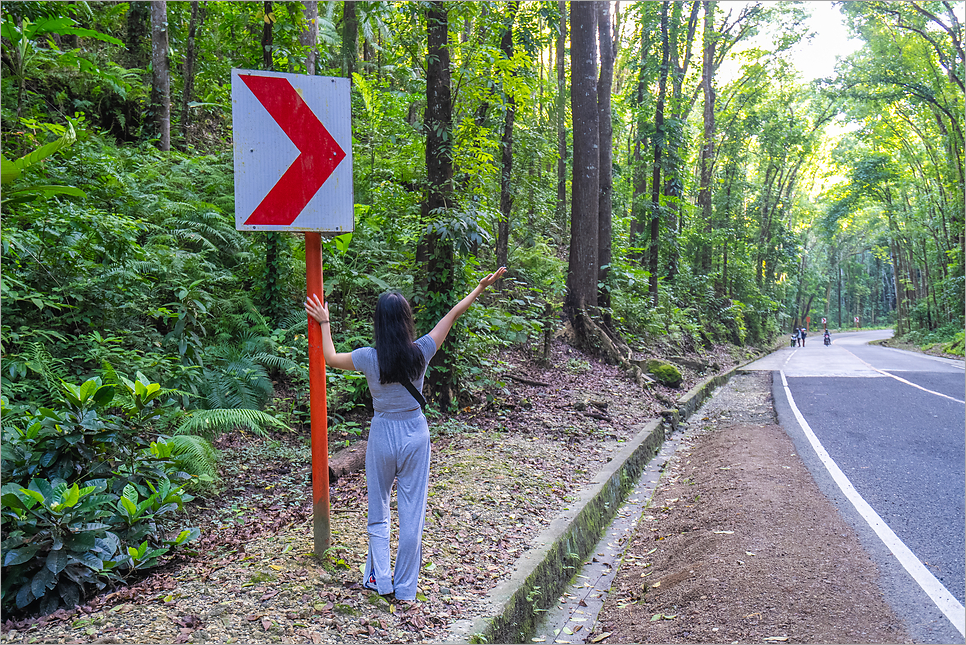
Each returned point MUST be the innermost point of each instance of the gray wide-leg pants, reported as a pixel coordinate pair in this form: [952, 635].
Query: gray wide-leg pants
[398, 449]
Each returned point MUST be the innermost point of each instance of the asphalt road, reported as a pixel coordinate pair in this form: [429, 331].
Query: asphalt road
[894, 423]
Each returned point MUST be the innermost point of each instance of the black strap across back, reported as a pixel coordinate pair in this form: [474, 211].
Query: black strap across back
[416, 394]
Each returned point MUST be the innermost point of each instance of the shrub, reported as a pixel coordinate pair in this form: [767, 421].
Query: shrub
[87, 500]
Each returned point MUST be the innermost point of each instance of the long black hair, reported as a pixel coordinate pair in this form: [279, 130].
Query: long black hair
[399, 358]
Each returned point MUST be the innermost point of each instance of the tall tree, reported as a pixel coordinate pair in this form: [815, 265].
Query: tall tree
[309, 36]
[639, 207]
[660, 143]
[561, 111]
[506, 146]
[585, 191]
[706, 157]
[350, 39]
[676, 145]
[160, 74]
[197, 19]
[138, 21]
[268, 37]
[608, 45]
[435, 250]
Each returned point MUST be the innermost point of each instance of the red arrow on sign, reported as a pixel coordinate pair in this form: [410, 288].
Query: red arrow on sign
[319, 154]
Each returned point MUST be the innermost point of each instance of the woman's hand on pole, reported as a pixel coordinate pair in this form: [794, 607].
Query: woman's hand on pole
[320, 313]
[317, 310]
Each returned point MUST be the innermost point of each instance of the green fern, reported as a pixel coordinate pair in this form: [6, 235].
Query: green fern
[38, 359]
[295, 321]
[211, 423]
[194, 454]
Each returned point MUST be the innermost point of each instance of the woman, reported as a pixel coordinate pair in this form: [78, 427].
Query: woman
[398, 447]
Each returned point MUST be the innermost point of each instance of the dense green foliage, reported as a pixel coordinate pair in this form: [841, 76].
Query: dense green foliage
[86, 499]
[122, 263]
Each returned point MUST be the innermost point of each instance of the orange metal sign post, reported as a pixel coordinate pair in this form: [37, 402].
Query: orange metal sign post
[319, 415]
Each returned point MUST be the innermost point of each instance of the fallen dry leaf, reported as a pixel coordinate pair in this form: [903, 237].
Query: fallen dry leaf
[599, 638]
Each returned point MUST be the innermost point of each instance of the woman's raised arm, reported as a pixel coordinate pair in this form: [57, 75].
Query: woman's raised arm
[439, 332]
[320, 313]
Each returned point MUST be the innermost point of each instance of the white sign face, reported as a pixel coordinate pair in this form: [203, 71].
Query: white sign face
[293, 152]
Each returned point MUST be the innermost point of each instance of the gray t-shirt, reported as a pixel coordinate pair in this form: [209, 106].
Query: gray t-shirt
[391, 397]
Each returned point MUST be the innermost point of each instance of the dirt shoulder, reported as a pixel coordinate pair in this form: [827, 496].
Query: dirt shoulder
[740, 545]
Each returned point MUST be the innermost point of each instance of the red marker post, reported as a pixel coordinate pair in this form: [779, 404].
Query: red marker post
[318, 408]
[292, 139]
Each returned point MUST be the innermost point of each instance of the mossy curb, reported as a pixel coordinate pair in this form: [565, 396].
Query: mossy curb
[540, 577]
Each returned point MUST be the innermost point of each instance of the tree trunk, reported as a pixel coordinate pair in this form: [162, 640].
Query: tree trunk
[605, 202]
[435, 251]
[268, 37]
[309, 36]
[138, 20]
[582, 270]
[562, 114]
[506, 165]
[660, 143]
[197, 18]
[840, 297]
[350, 39]
[160, 76]
[707, 144]
[680, 112]
[638, 205]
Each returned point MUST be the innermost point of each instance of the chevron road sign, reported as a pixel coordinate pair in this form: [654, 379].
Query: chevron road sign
[293, 152]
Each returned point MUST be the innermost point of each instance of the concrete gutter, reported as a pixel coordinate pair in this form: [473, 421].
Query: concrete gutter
[512, 609]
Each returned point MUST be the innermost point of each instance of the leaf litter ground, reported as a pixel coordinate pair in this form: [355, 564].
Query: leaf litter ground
[501, 472]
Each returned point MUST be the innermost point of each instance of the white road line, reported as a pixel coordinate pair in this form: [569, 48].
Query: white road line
[902, 380]
[946, 602]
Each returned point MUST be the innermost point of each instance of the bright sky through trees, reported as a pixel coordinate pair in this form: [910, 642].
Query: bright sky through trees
[814, 58]
[817, 57]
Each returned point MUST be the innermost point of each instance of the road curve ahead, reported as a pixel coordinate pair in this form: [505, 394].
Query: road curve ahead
[893, 424]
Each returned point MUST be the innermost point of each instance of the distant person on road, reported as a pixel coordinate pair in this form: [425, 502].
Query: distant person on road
[827, 339]
[802, 335]
[398, 447]
[795, 337]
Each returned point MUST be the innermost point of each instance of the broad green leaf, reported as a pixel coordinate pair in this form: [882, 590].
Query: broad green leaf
[89, 560]
[72, 496]
[12, 500]
[103, 395]
[56, 561]
[24, 596]
[72, 393]
[43, 580]
[131, 493]
[128, 508]
[69, 592]
[88, 388]
[19, 556]
[34, 495]
[9, 171]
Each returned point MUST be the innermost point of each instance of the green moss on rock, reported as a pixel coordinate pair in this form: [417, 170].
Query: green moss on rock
[665, 373]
